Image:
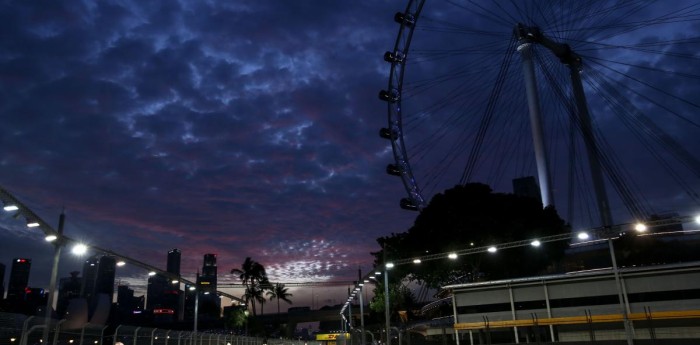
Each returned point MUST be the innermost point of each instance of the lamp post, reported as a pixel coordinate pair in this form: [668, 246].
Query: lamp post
[148, 281]
[196, 307]
[246, 313]
[618, 284]
[58, 245]
[362, 317]
[387, 266]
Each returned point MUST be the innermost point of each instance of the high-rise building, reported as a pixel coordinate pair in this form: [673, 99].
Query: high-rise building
[35, 299]
[157, 284]
[527, 187]
[98, 286]
[190, 298]
[68, 289]
[127, 303]
[209, 302]
[2, 281]
[174, 297]
[174, 261]
[207, 280]
[19, 279]
[106, 271]
[87, 288]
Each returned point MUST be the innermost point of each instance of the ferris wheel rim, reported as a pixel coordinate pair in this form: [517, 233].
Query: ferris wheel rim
[394, 132]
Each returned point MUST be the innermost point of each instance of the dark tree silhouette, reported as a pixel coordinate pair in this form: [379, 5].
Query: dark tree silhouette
[279, 292]
[253, 276]
[472, 215]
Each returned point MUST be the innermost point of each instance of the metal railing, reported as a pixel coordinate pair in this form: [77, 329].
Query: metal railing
[18, 329]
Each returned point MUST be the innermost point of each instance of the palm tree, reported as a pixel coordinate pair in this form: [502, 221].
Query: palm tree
[253, 275]
[252, 294]
[251, 271]
[279, 291]
[264, 286]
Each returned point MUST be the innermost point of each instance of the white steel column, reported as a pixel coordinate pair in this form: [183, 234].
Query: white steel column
[591, 146]
[533, 102]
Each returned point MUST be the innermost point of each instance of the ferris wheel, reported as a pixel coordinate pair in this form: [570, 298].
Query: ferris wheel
[487, 92]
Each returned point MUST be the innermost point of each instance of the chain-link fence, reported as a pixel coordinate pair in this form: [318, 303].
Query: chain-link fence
[650, 331]
[18, 329]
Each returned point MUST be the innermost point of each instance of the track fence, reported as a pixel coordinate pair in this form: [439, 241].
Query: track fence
[18, 329]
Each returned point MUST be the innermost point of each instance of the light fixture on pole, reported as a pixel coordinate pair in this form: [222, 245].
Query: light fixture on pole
[54, 276]
[362, 318]
[616, 274]
[387, 314]
[10, 208]
[196, 307]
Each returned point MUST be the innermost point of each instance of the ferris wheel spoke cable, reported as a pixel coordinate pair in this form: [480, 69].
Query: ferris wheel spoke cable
[619, 17]
[630, 116]
[579, 22]
[486, 119]
[517, 10]
[438, 25]
[504, 142]
[428, 55]
[423, 146]
[568, 104]
[579, 18]
[423, 151]
[435, 108]
[485, 13]
[643, 48]
[553, 101]
[448, 157]
[456, 151]
[668, 18]
[620, 22]
[666, 93]
[418, 86]
[608, 93]
[650, 129]
[611, 164]
[457, 74]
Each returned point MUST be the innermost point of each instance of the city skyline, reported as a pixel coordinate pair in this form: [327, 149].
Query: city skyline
[253, 130]
[98, 276]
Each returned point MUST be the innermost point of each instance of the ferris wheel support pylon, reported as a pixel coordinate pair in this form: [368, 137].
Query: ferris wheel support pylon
[525, 49]
[527, 36]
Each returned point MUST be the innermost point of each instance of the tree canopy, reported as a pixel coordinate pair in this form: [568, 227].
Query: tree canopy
[253, 276]
[473, 215]
[279, 292]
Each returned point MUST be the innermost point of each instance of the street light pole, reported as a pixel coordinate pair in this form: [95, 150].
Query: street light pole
[54, 275]
[386, 302]
[196, 307]
[618, 284]
[362, 318]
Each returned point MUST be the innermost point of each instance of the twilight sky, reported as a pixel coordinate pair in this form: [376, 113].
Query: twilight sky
[235, 128]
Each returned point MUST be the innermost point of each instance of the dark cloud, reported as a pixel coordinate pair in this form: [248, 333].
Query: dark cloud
[235, 129]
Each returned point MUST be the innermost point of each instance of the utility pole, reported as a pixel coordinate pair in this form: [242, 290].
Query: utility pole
[58, 245]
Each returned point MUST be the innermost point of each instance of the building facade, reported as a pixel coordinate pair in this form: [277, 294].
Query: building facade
[642, 303]
[19, 279]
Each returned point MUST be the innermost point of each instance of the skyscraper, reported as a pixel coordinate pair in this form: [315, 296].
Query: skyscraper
[98, 285]
[106, 271]
[87, 288]
[2, 281]
[209, 302]
[207, 280]
[157, 284]
[19, 278]
[68, 289]
[526, 187]
[174, 261]
[127, 304]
